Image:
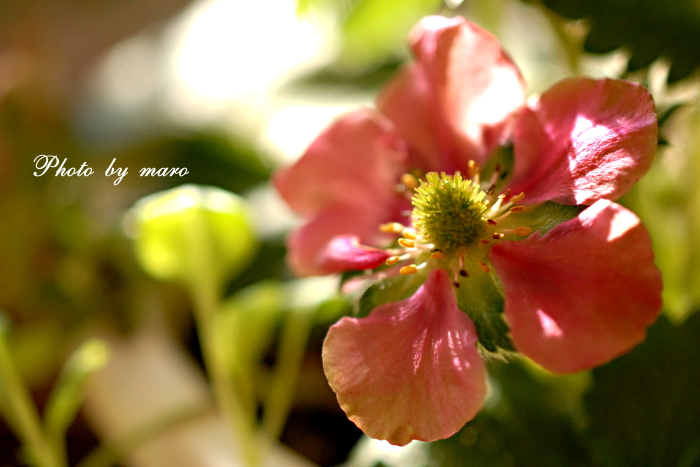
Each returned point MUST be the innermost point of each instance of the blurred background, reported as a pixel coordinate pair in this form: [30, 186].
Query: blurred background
[106, 354]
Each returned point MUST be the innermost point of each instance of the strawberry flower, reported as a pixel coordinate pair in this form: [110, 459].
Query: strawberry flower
[488, 225]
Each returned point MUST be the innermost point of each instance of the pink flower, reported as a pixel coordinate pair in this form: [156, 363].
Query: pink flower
[509, 240]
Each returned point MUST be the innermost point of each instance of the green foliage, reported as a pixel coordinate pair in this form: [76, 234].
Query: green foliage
[377, 29]
[545, 216]
[481, 297]
[648, 29]
[67, 395]
[644, 406]
[192, 232]
[372, 31]
[525, 423]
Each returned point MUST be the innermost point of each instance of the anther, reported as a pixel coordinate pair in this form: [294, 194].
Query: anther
[474, 172]
[492, 221]
[391, 227]
[409, 235]
[404, 242]
[484, 242]
[463, 273]
[484, 267]
[437, 254]
[515, 209]
[409, 181]
[497, 236]
[517, 198]
[456, 284]
[522, 231]
[408, 270]
[491, 190]
[392, 260]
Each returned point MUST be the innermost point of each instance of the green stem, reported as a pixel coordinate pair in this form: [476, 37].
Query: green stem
[22, 413]
[205, 289]
[284, 379]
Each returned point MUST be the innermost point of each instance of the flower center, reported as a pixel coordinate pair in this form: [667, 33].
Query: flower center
[454, 222]
[448, 211]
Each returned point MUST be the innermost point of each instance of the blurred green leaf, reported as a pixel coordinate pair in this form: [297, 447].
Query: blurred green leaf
[528, 420]
[644, 406]
[67, 395]
[377, 29]
[649, 29]
[191, 233]
[246, 323]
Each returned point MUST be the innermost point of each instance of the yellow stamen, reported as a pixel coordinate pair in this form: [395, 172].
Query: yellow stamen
[515, 209]
[392, 260]
[517, 198]
[391, 227]
[408, 270]
[407, 243]
[409, 181]
[409, 235]
[437, 254]
[522, 231]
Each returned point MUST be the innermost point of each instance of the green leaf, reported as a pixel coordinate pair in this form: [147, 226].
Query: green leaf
[528, 420]
[644, 407]
[481, 297]
[246, 324]
[192, 234]
[67, 395]
[368, 294]
[648, 29]
[376, 30]
[545, 216]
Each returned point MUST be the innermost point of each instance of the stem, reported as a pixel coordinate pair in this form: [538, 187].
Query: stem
[22, 412]
[284, 379]
[205, 289]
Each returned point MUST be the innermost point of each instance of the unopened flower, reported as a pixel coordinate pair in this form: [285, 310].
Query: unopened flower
[488, 225]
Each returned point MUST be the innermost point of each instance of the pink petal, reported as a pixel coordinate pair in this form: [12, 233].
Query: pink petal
[410, 370]
[357, 160]
[456, 101]
[317, 248]
[345, 253]
[585, 140]
[584, 293]
[344, 184]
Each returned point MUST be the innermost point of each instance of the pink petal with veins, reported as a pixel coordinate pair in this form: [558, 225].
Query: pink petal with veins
[345, 184]
[345, 253]
[584, 140]
[584, 293]
[456, 101]
[356, 161]
[410, 370]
